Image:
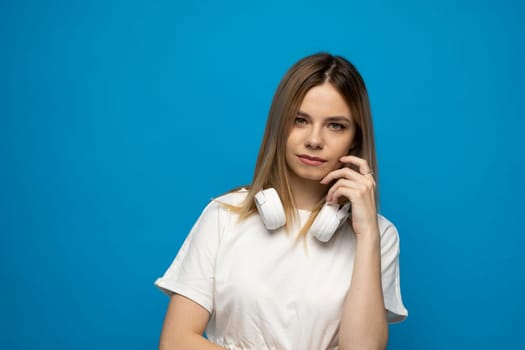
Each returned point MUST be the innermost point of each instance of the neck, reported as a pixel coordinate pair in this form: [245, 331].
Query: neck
[306, 193]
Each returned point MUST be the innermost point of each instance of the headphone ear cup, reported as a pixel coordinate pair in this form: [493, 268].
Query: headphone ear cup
[270, 208]
[330, 217]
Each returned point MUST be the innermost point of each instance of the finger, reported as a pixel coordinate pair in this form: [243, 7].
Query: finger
[343, 172]
[341, 192]
[344, 185]
[347, 173]
[361, 163]
[360, 189]
[353, 193]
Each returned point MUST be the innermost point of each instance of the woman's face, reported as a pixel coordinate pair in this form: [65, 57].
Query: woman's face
[322, 133]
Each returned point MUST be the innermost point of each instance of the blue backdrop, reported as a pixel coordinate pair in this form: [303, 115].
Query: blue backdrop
[119, 120]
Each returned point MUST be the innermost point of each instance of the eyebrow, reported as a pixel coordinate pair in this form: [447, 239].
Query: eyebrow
[335, 118]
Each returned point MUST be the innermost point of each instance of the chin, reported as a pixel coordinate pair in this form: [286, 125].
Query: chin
[312, 175]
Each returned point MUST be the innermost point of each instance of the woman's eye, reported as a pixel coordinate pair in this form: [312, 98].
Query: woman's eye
[336, 126]
[300, 120]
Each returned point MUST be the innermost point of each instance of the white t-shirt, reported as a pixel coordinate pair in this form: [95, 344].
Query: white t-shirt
[266, 290]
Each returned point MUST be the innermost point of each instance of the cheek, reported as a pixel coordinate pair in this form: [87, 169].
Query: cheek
[290, 148]
[293, 140]
[343, 149]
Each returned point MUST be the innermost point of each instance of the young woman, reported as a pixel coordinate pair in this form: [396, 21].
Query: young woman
[242, 277]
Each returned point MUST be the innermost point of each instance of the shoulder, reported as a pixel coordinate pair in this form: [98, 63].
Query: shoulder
[387, 230]
[384, 223]
[219, 213]
[225, 206]
[234, 198]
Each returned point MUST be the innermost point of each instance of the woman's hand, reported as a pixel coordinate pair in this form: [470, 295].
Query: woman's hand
[359, 188]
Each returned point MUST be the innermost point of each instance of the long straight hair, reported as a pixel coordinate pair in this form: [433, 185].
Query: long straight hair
[271, 169]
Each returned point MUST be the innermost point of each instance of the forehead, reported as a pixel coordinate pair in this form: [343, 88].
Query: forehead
[324, 100]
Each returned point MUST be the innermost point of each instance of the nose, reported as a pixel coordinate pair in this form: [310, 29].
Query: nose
[314, 139]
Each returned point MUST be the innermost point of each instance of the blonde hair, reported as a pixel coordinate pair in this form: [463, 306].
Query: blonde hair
[271, 169]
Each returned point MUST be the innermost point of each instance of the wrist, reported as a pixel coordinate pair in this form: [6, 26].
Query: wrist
[368, 243]
[370, 235]
[369, 227]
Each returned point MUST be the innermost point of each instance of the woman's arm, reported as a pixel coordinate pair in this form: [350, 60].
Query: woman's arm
[364, 322]
[184, 325]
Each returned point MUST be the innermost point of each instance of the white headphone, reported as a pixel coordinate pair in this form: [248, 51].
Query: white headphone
[324, 226]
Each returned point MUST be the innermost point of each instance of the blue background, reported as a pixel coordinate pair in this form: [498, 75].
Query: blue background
[119, 120]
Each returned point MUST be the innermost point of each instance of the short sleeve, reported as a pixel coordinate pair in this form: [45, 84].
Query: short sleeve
[192, 272]
[390, 272]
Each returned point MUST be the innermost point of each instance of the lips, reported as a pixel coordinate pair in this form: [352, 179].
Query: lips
[310, 160]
